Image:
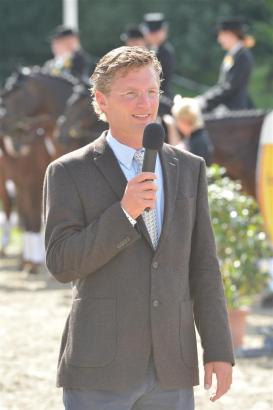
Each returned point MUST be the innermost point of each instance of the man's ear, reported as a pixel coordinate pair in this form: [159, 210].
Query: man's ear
[101, 100]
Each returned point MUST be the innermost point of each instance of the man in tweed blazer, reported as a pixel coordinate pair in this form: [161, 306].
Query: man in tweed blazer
[129, 341]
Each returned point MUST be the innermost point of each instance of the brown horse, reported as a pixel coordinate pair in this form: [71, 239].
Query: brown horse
[235, 137]
[32, 101]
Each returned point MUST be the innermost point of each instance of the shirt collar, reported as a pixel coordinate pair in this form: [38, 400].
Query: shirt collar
[236, 48]
[123, 153]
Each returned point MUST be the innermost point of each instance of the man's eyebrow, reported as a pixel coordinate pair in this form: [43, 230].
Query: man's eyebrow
[153, 87]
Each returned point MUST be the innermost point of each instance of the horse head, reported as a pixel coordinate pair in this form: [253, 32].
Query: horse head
[32, 100]
[78, 124]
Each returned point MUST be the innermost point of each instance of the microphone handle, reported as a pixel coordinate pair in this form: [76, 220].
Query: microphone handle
[149, 160]
[149, 163]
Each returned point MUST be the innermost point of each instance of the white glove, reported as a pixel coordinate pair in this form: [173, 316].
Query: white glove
[201, 101]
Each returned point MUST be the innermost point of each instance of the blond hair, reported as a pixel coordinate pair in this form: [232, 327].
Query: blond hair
[119, 60]
[187, 108]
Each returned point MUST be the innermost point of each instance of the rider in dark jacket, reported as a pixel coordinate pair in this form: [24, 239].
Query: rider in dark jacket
[69, 56]
[155, 29]
[231, 90]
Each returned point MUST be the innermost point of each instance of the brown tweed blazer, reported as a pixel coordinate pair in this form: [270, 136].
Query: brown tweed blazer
[129, 300]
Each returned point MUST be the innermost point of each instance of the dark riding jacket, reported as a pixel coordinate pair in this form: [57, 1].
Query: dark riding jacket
[234, 77]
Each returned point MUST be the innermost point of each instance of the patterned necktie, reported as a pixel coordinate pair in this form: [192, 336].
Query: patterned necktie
[149, 217]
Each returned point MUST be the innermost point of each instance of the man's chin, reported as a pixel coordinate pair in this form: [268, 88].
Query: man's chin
[144, 123]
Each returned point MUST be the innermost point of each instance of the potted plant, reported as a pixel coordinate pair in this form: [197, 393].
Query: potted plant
[241, 243]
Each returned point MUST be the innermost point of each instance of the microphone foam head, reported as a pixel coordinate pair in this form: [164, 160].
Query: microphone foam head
[153, 136]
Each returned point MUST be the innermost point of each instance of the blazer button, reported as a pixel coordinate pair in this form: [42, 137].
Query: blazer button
[155, 265]
[155, 303]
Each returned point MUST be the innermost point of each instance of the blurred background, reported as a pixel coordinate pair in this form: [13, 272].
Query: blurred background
[26, 25]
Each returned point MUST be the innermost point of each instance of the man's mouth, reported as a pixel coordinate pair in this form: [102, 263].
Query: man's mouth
[141, 116]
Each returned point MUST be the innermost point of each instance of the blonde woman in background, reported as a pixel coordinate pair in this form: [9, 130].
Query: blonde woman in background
[187, 122]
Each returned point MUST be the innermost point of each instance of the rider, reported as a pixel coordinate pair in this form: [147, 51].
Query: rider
[69, 56]
[231, 91]
[155, 28]
[133, 36]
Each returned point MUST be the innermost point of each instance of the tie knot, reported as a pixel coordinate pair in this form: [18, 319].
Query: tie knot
[139, 157]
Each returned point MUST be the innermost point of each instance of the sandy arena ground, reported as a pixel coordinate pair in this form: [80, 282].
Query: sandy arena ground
[33, 311]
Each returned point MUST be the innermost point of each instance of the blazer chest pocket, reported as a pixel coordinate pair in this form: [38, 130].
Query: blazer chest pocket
[188, 344]
[184, 211]
[92, 334]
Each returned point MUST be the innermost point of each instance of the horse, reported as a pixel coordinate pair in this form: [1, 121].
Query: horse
[32, 100]
[235, 136]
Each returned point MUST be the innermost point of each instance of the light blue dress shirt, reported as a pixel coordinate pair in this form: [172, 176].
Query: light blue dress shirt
[125, 157]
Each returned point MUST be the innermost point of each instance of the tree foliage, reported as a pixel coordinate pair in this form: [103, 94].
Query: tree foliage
[239, 230]
[26, 24]
[24, 30]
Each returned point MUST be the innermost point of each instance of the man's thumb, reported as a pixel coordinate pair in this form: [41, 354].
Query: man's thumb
[208, 376]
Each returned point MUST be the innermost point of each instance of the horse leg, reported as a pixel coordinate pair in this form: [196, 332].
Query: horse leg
[7, 206]
[33, 251]
[31, 205]
[29, 198]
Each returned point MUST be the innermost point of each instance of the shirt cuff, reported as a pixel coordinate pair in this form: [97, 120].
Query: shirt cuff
[131, 220]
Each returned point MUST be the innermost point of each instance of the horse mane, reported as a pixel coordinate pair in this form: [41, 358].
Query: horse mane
[19, 75]
[13, 81]
[69, 78]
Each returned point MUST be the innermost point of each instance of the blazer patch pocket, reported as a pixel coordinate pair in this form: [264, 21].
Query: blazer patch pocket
[92, 333]
[188, 344]
[185, 200]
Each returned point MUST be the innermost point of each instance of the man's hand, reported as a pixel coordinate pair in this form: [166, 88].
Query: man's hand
[140, 193]
[223, 373]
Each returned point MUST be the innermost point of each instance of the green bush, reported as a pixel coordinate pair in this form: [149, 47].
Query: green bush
[240, 238]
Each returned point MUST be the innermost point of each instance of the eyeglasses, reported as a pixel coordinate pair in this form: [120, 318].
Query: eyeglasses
[134, 95]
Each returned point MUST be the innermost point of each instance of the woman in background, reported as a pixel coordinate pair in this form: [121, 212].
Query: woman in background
[187, 122]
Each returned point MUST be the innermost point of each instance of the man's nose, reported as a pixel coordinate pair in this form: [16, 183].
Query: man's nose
[144, 99]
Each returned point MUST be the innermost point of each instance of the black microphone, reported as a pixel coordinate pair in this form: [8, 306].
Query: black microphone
[153, 138]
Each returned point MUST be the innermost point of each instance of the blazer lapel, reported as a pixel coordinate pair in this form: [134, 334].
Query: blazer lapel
[143, 229]
[108, 165]
[170, 166]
